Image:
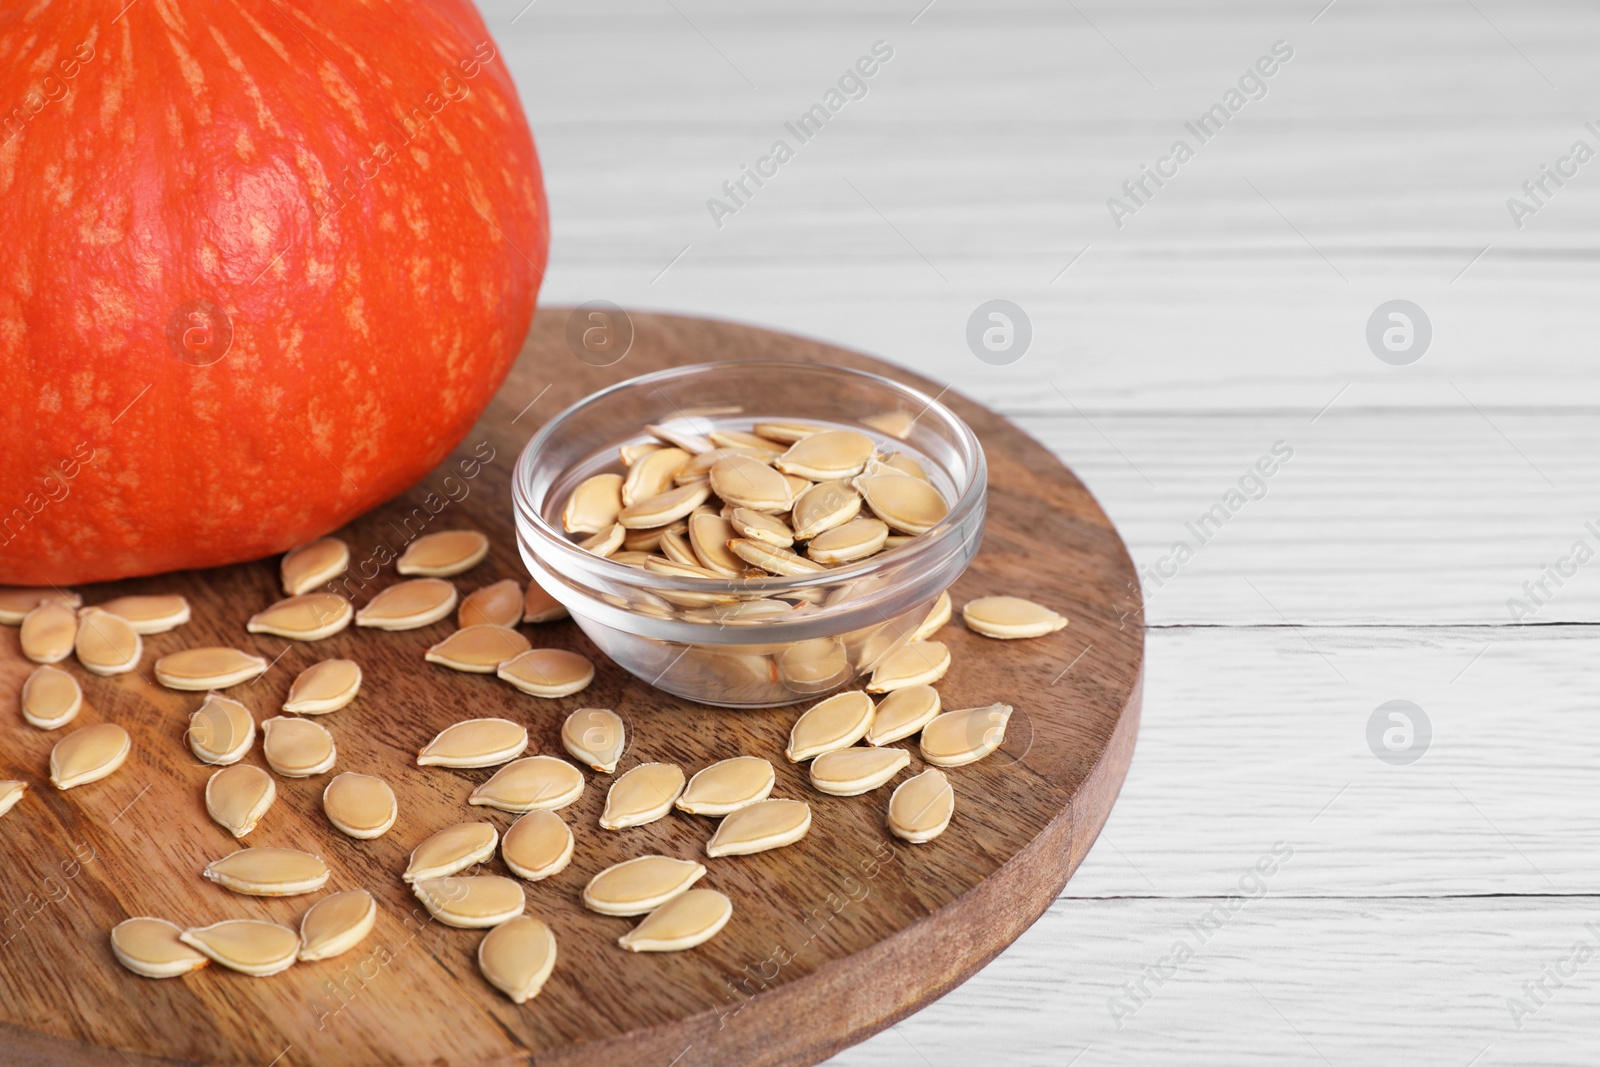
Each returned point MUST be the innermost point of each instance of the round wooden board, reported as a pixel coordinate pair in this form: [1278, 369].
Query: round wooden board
[832, 939]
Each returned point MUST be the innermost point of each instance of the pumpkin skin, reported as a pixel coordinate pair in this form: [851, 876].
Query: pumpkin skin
[265, 263]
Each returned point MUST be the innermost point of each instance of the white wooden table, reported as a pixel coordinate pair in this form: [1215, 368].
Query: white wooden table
[1411, 905]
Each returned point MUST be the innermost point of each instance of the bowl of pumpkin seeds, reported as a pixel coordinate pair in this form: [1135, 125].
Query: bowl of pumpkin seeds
[753, 533]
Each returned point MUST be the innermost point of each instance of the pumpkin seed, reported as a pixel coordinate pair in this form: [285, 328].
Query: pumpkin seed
[772, 559]
[313, 564]
[909, 505]
[698, 470]
[540, 606]
[471, 901]
[920, 807]
[530, 784]
[336, 924]
[709, 536]
[894, 423]
[409, 605]
[631, 454]
[297, 748]
[48, 632]
[150, 614]
[639, 885]
[517, 957]
[150, 948]
[360, 805]
[957, 738]
[914, 663]
[478, 649]
[652, 475]
[605, 542]
[824, 506]
[268, 872]
[895, 541]
[902, 713]
[785, 431]
[727, 786]
[106, 644]
[758, 827]
[642, 540]
[675, 547]
[50, 698]
[220, 731]
[88, 754]
[1009, 617]
[324, 687]
[248, 946]
[897, 463]
[442, 554]
[642, 795]
[455, 848]
[682, 433]
[849, 772]
[198, 669]
[665, 507]
[537, 846]
[937, 616]
[813, 666]
[238, 796]
[632, 559]
[797, 484]
[856, 539]
[547, 672]
[17, 601]
[837, 722]
[687, 920]
[499, 604]
[750, 483]
[828, 455]
[475, 743]
[748, 441]
[758, 526]
[11, 791]
[595, 736]
[680, 570]
[309, 617]
[593, 505]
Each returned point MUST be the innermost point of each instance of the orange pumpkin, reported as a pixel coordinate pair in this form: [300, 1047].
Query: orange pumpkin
[265, 263]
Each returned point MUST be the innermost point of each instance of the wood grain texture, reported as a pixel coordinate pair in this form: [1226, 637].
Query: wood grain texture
[832, 938]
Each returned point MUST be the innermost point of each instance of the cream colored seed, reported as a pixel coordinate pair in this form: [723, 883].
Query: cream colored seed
[902, 713]
[652, 475]
[151, 948]
[920, 807]
[743, 612]
[728, 785]
[1008, 618]
[309, 617]
[17, 601]
[680, 570]
[709, 536]
[642, 540]
[220, 731]
[849, 772]
[772, 559]
[632, 559]
[915, 663]
[360, 805]
[909, 505]
[934, 621]
[517, 957]
[478, 649]
[896, 540]
[455, 848]
[199, 669]
[683, 922]
[642, 795]
[896, 424]
[595, 737]
[51, 698]
[88, 754]
[822, 507]
[636, 886]
[106, 644]
[248, 946]
[605, 542]
[757, 526]
[814, 665]
[442, 554]
[547, 672]
[827, 455]
[238, 796]
[49, 632]
[150, 614]
[297, 748]
[897, 463]
[409, 605]
[784, 431]
[957, 738]
[593, 505]
[471, 901]
[682, 433]
[761, 826]
[856, 539]
[324, 687]
[475, 743]
[837, 722]
[675, 546]
[750, 483]
[698, 470]
[663, 508]
[537, 846]
[11, 791]
[313, 564]
[631, 454]
[336, 924]
[268, 872]
[749, 441]
[797, 484]
[499, 604]
[530, 784]
[540, 606]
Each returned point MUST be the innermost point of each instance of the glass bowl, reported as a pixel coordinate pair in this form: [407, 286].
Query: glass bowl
[749, 642]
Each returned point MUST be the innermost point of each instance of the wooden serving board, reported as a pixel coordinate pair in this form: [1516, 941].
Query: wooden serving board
[832, 939]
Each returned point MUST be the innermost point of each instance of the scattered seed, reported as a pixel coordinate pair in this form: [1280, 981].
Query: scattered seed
[1009, 617]
[642, 795]
[784, 431]
[813, 666]
[499, 604]
[517, 957]
[17, 601]
[151, 948]
[828, 455]
[652, 475]
[937, 616]
[313, 564]
[902, 713]
[682, 434]
[238, 796]
[360, 805]
[920, 807]
[856, 539]
[475, 743]
[51, 698]
[915, 663]
[248, 946]
[106, 644]
[837, 722]
[409, 605]
[540, 606]
[309, 617]
[472, 900]
[150, 614]
[910, 505]
[324, 687]
[478, 649]
[547, 672]
[49, 632]
[849, 772]
[442, 554]
[957, 738]
[758, 827]
[596, 737]
[636, 886]
[728, 785]
[772, 559]
[537, 846]
[824, 506]
[687, 920]
[750, 483]
[11, 791]
[88, 754]
[665, 507]
[896, 424]
[297, 748]
[268, 872]
[530, 784]
[455, 848]
[197, 669]
[336, 924]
